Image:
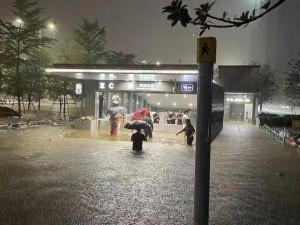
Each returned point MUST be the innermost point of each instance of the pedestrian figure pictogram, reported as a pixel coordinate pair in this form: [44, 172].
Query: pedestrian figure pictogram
[205, 49]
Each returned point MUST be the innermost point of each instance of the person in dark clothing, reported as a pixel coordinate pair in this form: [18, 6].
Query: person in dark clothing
[137, 140]
[148, 132]
[156, 117]
[101, 105]
[189, 132]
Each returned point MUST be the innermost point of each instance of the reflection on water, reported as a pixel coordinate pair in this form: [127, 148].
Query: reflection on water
[138, 154]
[162, 133]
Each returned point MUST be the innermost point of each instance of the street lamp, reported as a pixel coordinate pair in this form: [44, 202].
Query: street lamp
[51, 26]
[19, 21]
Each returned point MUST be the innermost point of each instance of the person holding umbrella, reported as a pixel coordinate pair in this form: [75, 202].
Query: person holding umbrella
[189, 132]
[137, 140]
[113, 124]
[147, 119]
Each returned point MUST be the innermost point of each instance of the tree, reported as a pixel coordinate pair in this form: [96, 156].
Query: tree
[203, 17]
[91, 39]
[120, 58]
[35, 78]
[65, 49]
[292, 84]
[22, 39]
[267, 85]
[59, 88]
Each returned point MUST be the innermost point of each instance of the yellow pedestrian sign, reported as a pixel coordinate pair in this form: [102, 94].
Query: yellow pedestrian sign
[206, 50]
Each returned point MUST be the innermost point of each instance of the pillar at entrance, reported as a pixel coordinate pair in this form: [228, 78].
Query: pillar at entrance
[136, 102]
[125, 100]
[131, 102]
[254, 109]
[90, 97]
[141, 102]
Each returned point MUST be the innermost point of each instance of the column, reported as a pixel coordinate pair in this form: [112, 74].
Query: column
[141, 102]
[131, 101]
[125, 100]
[136, 102]
[90, 98]
[254, 109]
[108, 100]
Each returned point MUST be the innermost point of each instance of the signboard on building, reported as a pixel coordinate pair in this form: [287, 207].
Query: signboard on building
[186, 87]
[138, 86]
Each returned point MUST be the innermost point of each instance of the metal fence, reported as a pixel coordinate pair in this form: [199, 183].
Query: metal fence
[280, 136]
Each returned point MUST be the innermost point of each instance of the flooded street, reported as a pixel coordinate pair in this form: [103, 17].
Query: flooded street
[54, 175]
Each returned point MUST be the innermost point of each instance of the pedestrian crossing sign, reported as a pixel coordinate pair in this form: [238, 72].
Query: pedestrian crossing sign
[206, 50]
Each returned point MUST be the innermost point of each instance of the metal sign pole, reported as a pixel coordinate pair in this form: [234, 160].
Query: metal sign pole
[206, 58]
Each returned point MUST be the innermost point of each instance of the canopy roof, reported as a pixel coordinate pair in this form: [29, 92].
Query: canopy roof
[135, 72]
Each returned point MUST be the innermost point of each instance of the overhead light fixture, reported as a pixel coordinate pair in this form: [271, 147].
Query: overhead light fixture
[184, 96]
[166, 95]
[113, 71]
[174, 103]
[190, 104]
[158, 103]
[148, 94]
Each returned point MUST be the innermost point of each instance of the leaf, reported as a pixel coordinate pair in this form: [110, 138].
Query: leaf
[183, 23]
[266, 5]
[179, 4]
[225, 14]
[202, 31]
[205, 7]
[172, 16]
[174, 23]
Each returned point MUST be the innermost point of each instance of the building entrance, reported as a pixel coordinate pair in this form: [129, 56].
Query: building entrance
[237, 111]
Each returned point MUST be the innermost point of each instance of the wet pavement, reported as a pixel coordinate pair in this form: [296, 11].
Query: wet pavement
[54, 175]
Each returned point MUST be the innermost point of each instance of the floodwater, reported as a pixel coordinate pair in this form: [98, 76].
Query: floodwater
[55, 175]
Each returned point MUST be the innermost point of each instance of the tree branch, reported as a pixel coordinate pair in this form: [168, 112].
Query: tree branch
[237, 24]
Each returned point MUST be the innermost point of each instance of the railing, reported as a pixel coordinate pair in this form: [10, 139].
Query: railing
[280, 137]
[19, 125]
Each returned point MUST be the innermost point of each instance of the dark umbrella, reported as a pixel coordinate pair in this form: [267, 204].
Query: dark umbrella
[134, 125]
[7, 112]
[117, 109]
[138, 114]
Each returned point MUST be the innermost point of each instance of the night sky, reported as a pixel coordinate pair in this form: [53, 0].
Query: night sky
[139, 27]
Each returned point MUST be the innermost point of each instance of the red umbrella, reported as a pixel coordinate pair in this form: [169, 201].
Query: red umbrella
[7, 112]
[138, 114]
